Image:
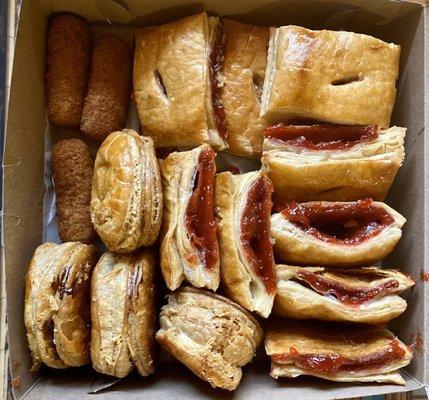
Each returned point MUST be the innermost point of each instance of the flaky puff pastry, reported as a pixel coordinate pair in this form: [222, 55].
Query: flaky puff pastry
[335, 352]
[126, 196]
[367, 169]
[56, 310]
[189, 248]
[339, 77]
[243, 206]
[366, 295]
[243, 70]
[210, 334]
[123, 313]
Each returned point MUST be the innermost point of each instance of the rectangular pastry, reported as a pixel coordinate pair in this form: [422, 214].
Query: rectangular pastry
[365, 295]
[176, 85]
[332, 162]
[335, 352]
[339, 77]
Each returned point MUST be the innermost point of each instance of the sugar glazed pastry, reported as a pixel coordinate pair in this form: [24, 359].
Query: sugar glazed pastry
[210, 334]
[335, 352]
[67, 68]
[339, 77]
[189, 248]
[56, 309]
[332, 162]
[243, 70]
[367, 295]
[126, 197]
[176, 83]
[123, 313]
[243, 205]
[109, 88]
[335, 233]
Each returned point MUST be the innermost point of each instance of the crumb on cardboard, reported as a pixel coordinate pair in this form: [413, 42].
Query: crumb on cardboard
[16, 382]
[424, 276]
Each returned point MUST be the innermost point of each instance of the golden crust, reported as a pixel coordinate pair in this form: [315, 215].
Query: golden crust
[126, 197]
[339, 77]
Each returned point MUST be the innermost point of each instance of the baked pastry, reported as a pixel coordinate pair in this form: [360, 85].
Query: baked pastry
[367, 295]
[243, 70]
[56, 312]
[338, 234]
[189, 248]
[332, 162]
[176, 83]
[109, 88]
[210, 334]
[243, 205]
[339, 77]
[67, 68]
[126, 197]
[335, 352]
[72, 169]
[123, 313]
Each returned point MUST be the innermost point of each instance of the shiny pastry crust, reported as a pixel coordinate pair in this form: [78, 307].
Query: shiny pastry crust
[364, 170]
[56, 300]
[239, 279]
[210, 334]
[298, 300]
[243, 71]
[126, 197]
[178, 173]
[339, 77]
[172, 88]
[293, 244]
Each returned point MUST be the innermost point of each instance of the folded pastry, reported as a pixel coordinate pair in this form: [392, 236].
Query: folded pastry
[56, 312]
[243, 71]
[123, 313]
[367, 295]
[332, 162]
[335, 233]
[243, 204]
[176, 84]
[189, 248]
[126, 196]
[339, 77]
[210, 334]
[335, 352]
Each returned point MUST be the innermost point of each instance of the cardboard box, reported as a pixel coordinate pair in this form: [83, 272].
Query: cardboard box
[402, 22]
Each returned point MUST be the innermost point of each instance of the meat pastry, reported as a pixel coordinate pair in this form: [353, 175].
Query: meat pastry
[123, 312]
[339, 77]
[332, 162]
[367, 295]
[126, 197]
[176, 92]
[335, 233]
[335, 352]
[243, 71]
[56, 304]
[189, 248]
[210, 334]
[243, 204]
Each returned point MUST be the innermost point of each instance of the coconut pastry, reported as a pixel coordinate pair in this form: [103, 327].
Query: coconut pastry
[335, 352]
[176, 83]
[339, 77]
[367, 295]
[123, 313]
[243, 70]
[189, 249]
[56, 309]
[210, 334]
[126, 196]
[315, 161]
[340, 234]
[243, 205]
